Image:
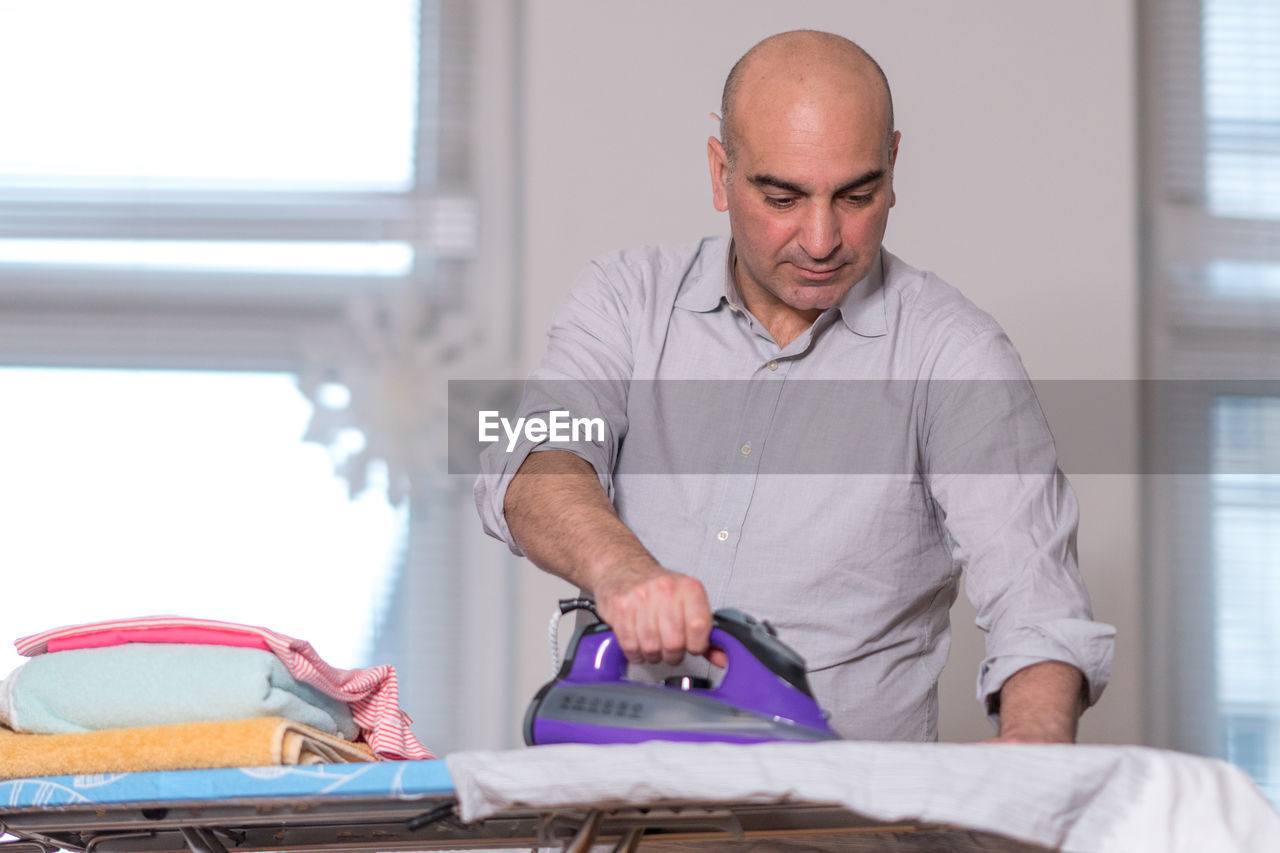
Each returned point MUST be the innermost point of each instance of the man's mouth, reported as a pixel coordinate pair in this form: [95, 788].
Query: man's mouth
[818, 273]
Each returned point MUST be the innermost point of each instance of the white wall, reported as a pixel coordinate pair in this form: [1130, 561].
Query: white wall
[1016, 182]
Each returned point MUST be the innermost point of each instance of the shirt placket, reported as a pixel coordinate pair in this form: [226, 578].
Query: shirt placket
[745, 442]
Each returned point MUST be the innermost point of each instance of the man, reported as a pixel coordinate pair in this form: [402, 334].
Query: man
[856, 566]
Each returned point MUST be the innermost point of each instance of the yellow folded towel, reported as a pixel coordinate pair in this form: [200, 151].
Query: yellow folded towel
[259, 742]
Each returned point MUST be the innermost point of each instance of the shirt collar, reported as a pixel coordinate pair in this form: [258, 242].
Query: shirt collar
[862, 308]
[710, 282]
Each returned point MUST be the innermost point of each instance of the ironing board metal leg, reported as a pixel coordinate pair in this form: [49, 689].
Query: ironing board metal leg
[201, 840]
[586, 835]
[630, 841]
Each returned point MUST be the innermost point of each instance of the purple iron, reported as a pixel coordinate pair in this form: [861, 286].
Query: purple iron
[764, 695]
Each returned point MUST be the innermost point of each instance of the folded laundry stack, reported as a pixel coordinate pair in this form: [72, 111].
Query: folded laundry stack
[176, 693]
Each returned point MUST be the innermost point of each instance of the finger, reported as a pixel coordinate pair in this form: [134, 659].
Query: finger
[620, 618]
[648, 634]
[625, 633]
[697, 617]
[671, 627]
[718, 657]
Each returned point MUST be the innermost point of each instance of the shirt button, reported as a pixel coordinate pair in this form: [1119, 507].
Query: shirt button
[723, 535]
[746, 449]
[773, 365]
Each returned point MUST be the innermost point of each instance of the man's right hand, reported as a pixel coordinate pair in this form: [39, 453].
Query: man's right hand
[657, 615]
[562, 519]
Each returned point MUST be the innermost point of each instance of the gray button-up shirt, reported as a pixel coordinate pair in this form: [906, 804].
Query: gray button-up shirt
[836, 487]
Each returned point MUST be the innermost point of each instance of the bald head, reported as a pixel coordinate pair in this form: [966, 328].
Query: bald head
[798, 64]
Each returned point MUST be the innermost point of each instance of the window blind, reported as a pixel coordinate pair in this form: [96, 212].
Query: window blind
[1211, 147]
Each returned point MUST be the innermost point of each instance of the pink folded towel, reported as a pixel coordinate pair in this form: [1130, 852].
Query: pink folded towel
[189, 636]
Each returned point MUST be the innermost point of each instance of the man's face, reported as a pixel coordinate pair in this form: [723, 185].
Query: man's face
[808, 198]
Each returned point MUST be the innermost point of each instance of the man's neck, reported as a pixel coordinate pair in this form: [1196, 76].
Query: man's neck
[783, 322]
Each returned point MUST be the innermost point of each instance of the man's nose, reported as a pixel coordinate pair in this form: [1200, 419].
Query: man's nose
[820, 231]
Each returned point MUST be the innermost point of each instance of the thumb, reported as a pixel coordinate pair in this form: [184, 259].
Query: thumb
[717, 657]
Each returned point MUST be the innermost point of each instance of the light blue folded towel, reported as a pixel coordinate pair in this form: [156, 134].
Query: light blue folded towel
[148, 684]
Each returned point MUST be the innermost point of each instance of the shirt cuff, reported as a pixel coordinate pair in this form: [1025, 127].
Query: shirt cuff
[1087, 645]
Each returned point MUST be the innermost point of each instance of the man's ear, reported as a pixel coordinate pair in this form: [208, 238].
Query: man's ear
[719, 163]
[893, 159]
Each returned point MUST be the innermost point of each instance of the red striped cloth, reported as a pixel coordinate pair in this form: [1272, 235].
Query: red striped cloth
[373, 693]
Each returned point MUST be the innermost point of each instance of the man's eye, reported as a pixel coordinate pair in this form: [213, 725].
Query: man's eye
[780, 202]
[860, 198]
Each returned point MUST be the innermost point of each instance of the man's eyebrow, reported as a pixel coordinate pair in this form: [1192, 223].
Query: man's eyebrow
[767, 180]
[776, 183]
[861, 181]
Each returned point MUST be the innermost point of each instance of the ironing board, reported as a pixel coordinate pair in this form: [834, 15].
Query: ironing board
[405, 806]
[665, 797]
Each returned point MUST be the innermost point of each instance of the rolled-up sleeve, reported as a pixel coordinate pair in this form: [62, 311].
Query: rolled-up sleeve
[1014, 535]
[1010, 518]
[583, 377]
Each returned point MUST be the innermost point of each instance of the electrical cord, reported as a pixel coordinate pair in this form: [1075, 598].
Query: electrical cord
[553, 629]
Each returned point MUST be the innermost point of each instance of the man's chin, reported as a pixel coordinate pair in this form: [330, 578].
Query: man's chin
[814, 296]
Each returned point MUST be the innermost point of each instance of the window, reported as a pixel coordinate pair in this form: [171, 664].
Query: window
[239, 95]
[1241, 108]
[1246, 595]
[275, 157]
[229, 232]
[191, 492]
[1212, 150]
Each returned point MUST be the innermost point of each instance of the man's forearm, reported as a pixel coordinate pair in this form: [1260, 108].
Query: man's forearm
[562, 519]
[1041, 704]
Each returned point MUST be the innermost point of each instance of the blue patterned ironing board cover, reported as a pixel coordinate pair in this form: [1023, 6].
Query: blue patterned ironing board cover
[399, 779]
